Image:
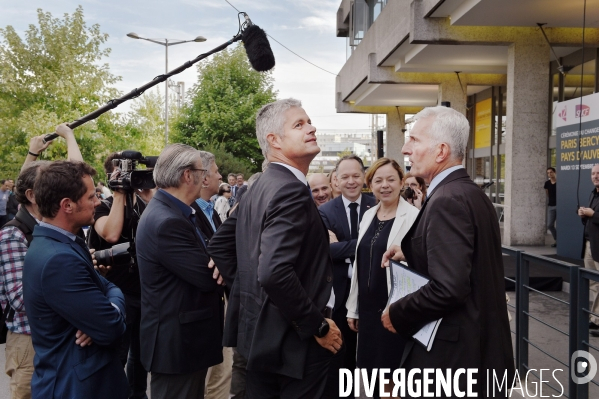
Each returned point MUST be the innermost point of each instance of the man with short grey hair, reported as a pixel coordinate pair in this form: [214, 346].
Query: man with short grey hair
[456, 244]
[181, 332]
[282, 279]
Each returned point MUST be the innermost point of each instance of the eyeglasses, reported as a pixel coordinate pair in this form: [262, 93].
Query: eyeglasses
[226, 191]
[196, 169]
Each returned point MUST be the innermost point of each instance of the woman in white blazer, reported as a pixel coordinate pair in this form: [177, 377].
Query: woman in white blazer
[382, 226]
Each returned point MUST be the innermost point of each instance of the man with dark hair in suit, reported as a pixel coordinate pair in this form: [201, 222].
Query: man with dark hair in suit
[181, 330]
[282, 278]
[342, 217]
[455, 243]
[65, 296]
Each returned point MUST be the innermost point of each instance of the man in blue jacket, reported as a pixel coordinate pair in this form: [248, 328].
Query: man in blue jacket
[77, 317]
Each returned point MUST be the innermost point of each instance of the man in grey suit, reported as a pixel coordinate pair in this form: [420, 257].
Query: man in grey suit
[455, 243]
[282, 279]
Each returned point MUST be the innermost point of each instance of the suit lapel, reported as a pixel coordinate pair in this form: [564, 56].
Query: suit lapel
[367, 220]
[399, 220]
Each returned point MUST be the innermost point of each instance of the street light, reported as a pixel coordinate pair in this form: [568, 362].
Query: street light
[166, 43]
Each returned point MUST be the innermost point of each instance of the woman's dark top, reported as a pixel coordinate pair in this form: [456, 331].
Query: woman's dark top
[377, 347]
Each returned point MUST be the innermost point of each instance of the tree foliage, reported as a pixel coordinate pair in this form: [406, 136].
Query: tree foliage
[51, 76]
[222, 111]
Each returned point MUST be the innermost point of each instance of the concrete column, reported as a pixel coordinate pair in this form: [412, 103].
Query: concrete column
[526, 142]
[395, 136]
[452, 91]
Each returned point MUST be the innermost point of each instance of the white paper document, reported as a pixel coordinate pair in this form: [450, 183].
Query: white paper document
[403, 282]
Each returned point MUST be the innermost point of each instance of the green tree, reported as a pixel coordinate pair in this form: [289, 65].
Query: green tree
[227, 162]
[55, 74]
[145, 123]
[223, 106]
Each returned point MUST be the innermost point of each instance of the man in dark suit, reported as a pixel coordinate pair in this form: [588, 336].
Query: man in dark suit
[454, 242]
[342, 217]
[283, 274]
[181, 330]
[66, 298]
[590, 245]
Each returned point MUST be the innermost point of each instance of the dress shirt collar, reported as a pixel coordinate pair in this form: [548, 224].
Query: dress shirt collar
[440, 177]
[186, 209]
[300, 176]
[58, 229]
[205, 206]
[346, 202]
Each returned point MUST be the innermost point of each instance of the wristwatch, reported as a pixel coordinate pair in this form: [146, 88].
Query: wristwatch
[323, 329]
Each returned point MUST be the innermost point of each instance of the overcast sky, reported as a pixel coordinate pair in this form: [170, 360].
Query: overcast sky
[306, 27]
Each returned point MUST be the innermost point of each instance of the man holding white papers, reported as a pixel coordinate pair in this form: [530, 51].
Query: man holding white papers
[455, 242]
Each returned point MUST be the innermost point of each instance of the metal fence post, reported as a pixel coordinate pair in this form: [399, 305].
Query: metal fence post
[582, 333]
[575, 327]
[522, 303]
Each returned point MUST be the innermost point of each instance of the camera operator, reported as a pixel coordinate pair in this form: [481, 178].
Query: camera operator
[115, 226]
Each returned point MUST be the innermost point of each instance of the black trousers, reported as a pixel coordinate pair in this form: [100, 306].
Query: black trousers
[263, 385]
[130, 349]
[238, 376]
[179, 386]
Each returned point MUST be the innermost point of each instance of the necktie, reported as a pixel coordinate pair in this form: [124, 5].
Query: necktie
[353, 217]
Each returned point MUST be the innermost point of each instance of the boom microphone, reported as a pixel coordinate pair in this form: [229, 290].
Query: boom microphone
[258, 48]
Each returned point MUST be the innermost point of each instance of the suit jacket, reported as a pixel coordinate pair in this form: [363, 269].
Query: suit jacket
[334, 217]
[180, 329]
[592, 226]
[456, 243]
[404, 219]
[283, 272]
[63, 293]
[204, 224]
[240, 192]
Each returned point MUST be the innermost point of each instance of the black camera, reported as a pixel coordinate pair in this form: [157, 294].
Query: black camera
[120, 254]
[131, 178]
[410, 194]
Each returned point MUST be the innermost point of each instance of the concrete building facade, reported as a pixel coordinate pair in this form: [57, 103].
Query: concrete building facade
[490, 60]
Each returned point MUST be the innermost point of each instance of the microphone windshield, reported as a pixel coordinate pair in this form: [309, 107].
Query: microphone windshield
[258, 48]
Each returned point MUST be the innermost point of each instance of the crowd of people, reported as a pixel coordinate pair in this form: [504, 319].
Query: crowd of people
[257, 289]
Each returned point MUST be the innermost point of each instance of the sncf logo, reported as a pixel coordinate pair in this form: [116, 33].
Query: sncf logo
[563, 114]
[582, 110]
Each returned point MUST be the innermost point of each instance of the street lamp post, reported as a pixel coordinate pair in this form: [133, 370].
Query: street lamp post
[166, 43]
